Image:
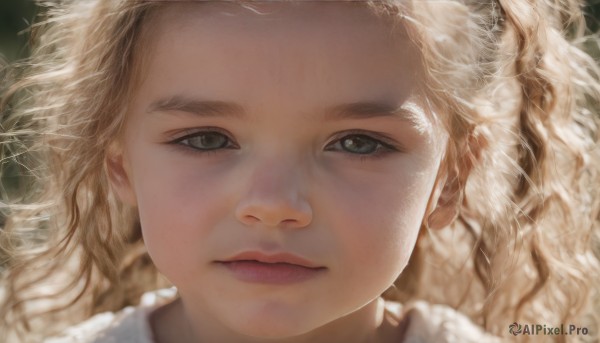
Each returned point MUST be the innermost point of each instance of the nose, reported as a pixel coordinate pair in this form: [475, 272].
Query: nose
[275, 197]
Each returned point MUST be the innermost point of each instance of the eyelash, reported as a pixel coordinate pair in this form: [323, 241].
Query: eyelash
[384, 147]
[189, 149]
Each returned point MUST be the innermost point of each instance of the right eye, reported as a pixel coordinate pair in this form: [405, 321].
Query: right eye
[205, 141]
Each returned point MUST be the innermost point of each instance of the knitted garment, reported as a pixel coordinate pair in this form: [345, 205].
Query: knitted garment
[423, 323]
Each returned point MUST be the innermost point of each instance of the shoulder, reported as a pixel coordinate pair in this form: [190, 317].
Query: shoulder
[424, 322]
[128, 325]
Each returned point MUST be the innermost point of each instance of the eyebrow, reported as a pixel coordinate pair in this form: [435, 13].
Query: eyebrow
[217, 108]
[203, 108]
[367, 109]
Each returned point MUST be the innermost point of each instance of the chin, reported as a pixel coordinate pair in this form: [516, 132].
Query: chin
[274, 326]
[274, 331]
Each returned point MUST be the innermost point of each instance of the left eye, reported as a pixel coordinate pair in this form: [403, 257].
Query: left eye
[206, 141]
[360, 144]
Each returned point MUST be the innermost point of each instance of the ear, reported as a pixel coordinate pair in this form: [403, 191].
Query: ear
[447, 195]
[119, 175]
[443, 206]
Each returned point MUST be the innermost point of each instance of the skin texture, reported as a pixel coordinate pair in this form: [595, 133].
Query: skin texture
[288, 178]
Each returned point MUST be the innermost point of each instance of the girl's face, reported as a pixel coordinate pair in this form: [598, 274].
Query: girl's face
[295, 130]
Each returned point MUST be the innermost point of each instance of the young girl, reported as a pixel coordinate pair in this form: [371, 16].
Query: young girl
[302, 171]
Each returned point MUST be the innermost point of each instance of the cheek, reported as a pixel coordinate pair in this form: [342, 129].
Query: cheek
[178, 205]
[377, 222]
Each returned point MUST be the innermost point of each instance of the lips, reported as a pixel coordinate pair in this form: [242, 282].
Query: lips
[286, 258]
[273, 269]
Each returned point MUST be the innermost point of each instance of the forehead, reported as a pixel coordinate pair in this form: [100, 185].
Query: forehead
[346, 26]
[300, 13]
[327, 52]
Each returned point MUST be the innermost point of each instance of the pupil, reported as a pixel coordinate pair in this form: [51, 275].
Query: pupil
[209, 141]
[359, 145]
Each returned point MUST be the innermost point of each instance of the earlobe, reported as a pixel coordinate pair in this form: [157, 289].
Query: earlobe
[446, 208]
[445, 202]
[118, 176]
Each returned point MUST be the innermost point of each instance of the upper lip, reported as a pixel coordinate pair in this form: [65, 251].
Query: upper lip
[281, 257]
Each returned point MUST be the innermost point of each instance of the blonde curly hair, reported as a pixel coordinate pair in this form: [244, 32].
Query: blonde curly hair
[522, 165]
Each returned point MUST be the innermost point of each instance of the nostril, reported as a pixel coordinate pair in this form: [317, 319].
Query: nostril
[274, 214]
[251, 219]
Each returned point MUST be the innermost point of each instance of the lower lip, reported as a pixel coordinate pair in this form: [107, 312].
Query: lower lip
[271, 273]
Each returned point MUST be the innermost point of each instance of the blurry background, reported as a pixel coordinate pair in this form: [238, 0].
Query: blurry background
[15, 16]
